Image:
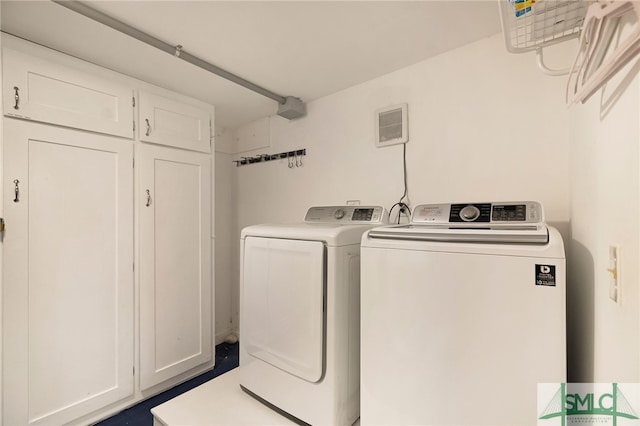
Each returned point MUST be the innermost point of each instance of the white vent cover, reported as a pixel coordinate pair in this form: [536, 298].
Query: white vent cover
[391, 125]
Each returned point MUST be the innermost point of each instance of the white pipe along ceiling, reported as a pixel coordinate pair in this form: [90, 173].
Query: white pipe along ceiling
[289, 107]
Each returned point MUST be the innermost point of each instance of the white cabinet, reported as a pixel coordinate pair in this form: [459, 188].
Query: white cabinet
[40, 90]
[84, 333]
[68, 295]
[174, 194]
[168, 122]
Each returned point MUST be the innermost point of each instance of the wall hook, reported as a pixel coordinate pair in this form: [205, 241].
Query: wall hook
[294, 158]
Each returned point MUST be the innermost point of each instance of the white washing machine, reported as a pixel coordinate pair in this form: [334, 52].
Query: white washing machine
[463, 314]
[300, 312]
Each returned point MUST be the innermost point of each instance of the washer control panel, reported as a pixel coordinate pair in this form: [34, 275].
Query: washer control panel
[470, 212]
[521, 212]
[346, 214]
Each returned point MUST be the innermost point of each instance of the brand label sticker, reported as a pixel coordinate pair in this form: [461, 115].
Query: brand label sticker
[546, 275]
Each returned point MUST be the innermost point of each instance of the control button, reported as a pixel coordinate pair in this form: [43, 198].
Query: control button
[469, 213]
[339, 214]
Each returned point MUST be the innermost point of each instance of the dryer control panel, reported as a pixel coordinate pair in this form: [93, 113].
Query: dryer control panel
[515, 213]
[346, 214]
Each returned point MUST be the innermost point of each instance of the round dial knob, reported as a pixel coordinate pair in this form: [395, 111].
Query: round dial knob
[339, 214]
[469, 213]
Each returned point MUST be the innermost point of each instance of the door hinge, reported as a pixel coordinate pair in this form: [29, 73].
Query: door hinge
[133, 101]
[134, 126]
[1, 224]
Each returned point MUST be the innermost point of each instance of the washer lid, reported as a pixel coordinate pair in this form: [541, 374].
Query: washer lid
[532, 234]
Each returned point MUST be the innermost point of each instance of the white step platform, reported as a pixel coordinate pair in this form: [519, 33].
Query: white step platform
[220, 401]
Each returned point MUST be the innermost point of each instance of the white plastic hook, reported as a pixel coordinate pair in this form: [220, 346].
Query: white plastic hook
[549, 71]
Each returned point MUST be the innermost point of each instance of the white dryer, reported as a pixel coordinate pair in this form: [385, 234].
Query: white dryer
[463, 314]
[300, 313]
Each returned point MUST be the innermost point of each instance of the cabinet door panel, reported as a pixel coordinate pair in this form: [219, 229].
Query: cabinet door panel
[52, 93]
[68, 273]
[175, 262]
[167, 122]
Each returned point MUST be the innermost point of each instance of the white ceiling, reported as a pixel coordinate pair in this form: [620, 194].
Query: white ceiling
[307, 49]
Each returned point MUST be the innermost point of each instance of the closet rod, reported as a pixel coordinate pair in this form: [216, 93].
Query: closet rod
[289, 106]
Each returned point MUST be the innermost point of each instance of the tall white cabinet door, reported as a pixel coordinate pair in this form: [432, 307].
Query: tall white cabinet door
[40, 90]
[164, 121]
[68, 273]
[175, 262]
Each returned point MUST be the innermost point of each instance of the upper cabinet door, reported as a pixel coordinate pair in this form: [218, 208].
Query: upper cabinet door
[167, 122]
[39, 90]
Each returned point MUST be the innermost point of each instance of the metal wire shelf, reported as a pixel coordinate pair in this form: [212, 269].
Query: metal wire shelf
[533, 24]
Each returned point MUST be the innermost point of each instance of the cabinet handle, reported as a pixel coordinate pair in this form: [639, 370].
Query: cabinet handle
[16, 182]
[148, 198]
[148, 127]
[16, 97]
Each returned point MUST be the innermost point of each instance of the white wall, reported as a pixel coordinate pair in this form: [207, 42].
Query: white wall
[604, 211]
[223, 255]
[484, 125]
[224, 232]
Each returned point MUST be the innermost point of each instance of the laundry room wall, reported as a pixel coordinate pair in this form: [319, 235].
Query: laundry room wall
[223, 235]
[484, 125]
[605, 212]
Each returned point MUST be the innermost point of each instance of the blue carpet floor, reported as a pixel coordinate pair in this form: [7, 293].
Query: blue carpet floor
[140, 414]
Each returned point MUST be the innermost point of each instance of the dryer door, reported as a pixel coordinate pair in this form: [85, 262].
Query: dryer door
[282, 304]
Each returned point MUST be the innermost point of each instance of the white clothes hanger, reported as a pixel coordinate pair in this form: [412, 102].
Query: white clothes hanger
[591, 69]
